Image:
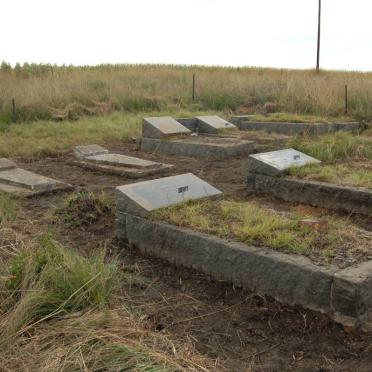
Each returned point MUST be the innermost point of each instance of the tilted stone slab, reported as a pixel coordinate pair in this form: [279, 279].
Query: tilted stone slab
[143, 197]
[89, 150]
[160, 127]
[6, 164]
[22, 178]
[213, 124]
[123, 161]
[275, 163]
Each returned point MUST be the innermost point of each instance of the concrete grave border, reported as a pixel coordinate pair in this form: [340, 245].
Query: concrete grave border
[343, 294]
[210, 151]
[318, 194]
[243, 123]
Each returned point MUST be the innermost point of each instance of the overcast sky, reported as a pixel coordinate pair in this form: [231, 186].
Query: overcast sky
[277, 33]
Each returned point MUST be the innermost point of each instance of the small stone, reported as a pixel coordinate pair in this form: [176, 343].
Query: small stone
[318, 225]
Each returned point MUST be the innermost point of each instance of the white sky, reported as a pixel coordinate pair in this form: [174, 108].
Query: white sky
[277, 33]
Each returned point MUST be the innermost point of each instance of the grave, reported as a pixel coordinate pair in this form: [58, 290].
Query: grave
[167, 136]
[275, 163]
[163, 127]
[97, 158]
[246, 122]
[21, 182]
[143, 197]
[210, 148]
[267, 174]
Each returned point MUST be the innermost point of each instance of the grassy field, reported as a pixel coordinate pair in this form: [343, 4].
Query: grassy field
[255, 225]
[45, 92]
[49, 138]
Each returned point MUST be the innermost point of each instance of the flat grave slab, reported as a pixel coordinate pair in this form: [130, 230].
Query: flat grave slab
[123, 160]
[160, 127]
[89, 150]
[21, 182]
[213, 124]
[143, 197]
[275, 163]
[104, 161]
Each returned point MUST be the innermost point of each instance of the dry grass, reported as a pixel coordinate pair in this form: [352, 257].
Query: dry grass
[62, 312]
[49, 138]
[349, 174]
[37, 89]
[256, 225]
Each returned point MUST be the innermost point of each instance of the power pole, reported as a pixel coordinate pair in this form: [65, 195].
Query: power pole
[318, 47]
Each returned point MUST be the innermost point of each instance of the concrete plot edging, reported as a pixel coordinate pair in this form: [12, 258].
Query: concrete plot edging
[196, 150]
[319, 194]
[295, 128]
[345, 295]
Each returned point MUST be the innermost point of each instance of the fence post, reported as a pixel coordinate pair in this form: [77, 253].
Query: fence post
[14, 114]
[346, 101]
[193, 87]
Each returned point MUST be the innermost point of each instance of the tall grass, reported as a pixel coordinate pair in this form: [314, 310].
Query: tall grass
[37, 88]
[336, 147]
[60, 311]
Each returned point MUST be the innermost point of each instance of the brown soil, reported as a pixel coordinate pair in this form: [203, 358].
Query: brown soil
[242, 330]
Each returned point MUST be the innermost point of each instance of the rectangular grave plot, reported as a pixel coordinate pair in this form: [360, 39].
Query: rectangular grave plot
[161, 127]
[214, 124]
[275, 163]
[89, 150]
[144, 197]
[31, 181]
[119, 160]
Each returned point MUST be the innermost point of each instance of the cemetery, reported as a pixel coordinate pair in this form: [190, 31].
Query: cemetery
[253, 123]
[98, 158]
[23, 183]
[223, 209]
[202, 137]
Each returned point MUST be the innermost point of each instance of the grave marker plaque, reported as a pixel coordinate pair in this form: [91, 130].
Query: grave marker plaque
[143, 197]
[213, 124]
[162, 127]
[275, 163]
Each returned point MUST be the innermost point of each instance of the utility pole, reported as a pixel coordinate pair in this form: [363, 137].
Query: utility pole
[318, 47]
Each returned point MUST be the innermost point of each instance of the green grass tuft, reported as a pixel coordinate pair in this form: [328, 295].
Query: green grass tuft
[50, 280]
[8, 209]
[334, 147]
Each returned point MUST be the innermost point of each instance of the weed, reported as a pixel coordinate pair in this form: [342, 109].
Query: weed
[83, 208]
